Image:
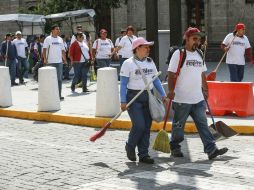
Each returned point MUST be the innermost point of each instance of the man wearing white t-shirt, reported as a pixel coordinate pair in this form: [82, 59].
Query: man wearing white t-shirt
[188, 96]
[79, 29]
[54, 54]
[22, 48]
[125, 44]
[123, 33]
[236, 45]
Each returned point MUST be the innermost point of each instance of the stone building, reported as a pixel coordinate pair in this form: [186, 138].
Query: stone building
[215, 17]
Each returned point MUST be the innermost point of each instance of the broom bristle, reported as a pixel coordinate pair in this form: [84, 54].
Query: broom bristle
[161, 142]
[100, 133]
[211, 76]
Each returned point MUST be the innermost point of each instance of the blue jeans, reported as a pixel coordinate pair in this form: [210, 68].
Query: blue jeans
[23, 67]
[12, 69]
[59, 72]
[80, 74]
[122, 60]
[100, 63]
[141, 123]
[198, 113]
[236, 72]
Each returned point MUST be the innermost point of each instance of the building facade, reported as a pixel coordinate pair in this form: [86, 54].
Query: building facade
[215, 17]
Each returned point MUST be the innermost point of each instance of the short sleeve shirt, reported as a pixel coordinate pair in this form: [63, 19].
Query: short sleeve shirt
[103, 48]
[54, 47]
[188, 87]
[21, 47]
[130, 69]
[126, 46]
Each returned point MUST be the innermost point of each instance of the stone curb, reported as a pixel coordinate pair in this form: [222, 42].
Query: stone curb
[99, 122]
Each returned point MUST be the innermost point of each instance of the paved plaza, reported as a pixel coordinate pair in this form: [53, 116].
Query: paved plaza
[51, 156]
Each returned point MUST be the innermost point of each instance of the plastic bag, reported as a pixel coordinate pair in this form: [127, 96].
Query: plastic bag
[156, 107]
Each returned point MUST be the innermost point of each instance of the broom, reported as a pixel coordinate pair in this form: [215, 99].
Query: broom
[103, 130]
[161, 142]
[212, 76]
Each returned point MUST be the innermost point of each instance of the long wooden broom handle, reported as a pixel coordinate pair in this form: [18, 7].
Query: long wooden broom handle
[170, 100]
[136, 96]
[223, 56]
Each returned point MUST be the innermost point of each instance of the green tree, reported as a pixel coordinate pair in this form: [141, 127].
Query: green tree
[101, 7]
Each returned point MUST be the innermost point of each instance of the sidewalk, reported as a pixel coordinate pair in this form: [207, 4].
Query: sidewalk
[79, 108]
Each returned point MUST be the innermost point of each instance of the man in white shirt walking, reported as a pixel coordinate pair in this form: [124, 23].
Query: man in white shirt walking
[189, 94]
[22, 48]
[54, 54]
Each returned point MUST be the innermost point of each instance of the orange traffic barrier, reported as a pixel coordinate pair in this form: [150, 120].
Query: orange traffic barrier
[231, 98]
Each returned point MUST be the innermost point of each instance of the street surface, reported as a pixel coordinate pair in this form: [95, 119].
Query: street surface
[51, 156]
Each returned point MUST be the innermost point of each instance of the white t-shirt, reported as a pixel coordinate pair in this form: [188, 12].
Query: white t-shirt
[120, 52]
[73, 38]
[103, 48]
[21, 47]
[126, 46]
[56, 46]
[235, 54]
[85, 51]
[130, 69]
[188, 87]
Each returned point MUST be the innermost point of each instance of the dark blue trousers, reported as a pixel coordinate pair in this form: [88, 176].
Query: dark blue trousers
[236, 72]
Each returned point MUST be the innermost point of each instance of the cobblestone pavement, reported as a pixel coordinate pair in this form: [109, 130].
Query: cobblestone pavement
[40, 156]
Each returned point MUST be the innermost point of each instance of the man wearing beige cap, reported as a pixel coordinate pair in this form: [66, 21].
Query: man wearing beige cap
[22, 49]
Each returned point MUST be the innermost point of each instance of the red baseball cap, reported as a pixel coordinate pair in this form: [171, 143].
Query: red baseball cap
[239, 26]
[192, 31]
[140, 41]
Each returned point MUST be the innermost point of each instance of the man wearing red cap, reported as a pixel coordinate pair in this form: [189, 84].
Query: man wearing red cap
[188, 95]
[236, 45]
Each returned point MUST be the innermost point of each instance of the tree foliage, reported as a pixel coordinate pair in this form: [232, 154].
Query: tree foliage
[46, 7]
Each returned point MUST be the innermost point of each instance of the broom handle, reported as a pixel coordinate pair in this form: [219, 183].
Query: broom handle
[223, 55]
[135, 97]
[170, 101]
[209, 110]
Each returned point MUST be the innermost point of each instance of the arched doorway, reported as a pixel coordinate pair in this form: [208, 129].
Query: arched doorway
[195, 14]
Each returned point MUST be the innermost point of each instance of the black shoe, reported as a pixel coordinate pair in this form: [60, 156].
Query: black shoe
[73, 88]
[61, 98]
[131, 155]
[21, 82]
[217, 152]
[86, 90]
[67, 78]
[14, 84]
[177, 153]
[147, 160]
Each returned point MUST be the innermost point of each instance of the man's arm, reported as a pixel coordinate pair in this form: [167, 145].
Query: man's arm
[44, 53]
[64, 57]
[171, 84]
[204, 86]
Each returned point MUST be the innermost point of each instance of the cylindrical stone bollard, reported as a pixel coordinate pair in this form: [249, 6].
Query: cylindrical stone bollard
[48, 95]
[107, 95]
[5, 87]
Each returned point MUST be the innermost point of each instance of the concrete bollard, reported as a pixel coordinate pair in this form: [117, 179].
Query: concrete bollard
[48, 95]
[107, 96]
[5, 87]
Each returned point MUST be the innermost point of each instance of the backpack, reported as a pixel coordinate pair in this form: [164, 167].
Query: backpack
[172, 50]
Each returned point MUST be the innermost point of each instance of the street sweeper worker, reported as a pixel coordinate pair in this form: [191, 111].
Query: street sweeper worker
[188, 96]
[236, 50]
[131, 83]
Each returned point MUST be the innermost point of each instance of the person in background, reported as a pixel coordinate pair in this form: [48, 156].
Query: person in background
[79, 56]
[66, 67]
[54, 54]
[22, 50]
[102, 50]
[131, 83]
[236, 45]
[125, 45]
[10, 55]
[78, 29]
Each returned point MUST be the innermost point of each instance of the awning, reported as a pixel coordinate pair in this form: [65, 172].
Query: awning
[22, 18]
[69, 14]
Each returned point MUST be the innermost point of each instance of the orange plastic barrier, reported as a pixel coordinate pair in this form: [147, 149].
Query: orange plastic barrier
[231, 97]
